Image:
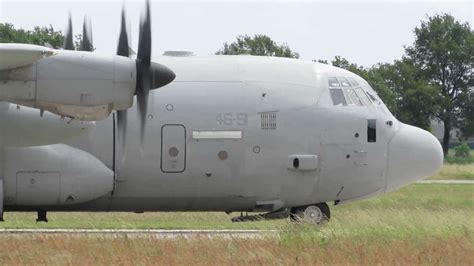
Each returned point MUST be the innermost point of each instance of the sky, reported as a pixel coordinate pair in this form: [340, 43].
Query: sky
[365, 32]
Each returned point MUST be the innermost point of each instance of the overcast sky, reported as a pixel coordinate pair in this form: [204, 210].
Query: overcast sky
[365, 32]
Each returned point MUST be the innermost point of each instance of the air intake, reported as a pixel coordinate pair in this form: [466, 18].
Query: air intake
[268, 120]
[179, 53]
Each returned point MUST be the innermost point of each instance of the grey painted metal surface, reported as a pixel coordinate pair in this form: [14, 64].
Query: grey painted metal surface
[274, 139]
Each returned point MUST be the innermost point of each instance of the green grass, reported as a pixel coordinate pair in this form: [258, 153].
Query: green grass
[455, 171]
[416, 209]
[419, 224]
[286, 250]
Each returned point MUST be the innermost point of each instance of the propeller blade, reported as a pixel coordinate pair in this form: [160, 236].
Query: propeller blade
[150, 75]
[87, 43]
[122, 126]
[123, 50]
[144, 76]
[144, 38]
[68, 41]
[143, 82]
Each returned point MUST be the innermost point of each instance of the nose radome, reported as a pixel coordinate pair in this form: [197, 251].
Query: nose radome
[413, 154]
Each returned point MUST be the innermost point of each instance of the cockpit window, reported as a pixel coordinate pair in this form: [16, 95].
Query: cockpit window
[372, 97]
[344, 82]
[346, 91]
[354, 98]
[362, 96]
[371, 94]
[337, 97]
[353, 81]
[333, 82]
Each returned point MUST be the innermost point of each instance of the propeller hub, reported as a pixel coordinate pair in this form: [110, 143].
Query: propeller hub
[161, 75]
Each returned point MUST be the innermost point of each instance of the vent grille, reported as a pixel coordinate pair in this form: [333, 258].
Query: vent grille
[268, 120]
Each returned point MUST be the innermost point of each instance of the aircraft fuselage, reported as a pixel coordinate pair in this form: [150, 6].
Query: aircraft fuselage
[238, 133]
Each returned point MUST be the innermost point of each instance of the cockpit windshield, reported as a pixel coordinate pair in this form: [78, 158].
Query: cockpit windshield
[346, 91]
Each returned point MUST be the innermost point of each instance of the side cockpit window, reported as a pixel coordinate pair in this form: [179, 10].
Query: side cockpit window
[346, 91]
[362, 96]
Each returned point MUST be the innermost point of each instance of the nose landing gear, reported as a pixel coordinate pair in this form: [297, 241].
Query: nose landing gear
[315, 214]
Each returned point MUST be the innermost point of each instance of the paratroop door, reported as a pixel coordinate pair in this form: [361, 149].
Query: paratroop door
[173, 148]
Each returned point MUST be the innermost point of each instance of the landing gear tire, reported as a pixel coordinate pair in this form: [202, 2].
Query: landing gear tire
[312, 214]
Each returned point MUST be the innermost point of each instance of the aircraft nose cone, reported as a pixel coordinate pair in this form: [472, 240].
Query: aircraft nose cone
[414, 154]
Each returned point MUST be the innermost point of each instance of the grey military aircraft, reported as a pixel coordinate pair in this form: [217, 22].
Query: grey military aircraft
[282, 137]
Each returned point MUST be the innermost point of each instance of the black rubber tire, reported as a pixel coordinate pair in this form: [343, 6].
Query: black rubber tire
[325, 209]
[297, 213]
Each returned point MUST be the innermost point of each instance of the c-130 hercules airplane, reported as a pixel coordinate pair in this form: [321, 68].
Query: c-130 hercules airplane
[220, 133]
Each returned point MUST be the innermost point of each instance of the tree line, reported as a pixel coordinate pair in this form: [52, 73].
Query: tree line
[433, 79]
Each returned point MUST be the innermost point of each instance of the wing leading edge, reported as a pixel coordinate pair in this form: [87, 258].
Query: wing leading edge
[14, 55]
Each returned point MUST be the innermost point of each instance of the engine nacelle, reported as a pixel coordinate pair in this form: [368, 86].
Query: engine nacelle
[23, 127]
[82, 85]
[54, 175]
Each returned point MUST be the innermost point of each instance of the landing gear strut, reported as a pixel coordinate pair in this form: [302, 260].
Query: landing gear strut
[313, 214]
[42, 217]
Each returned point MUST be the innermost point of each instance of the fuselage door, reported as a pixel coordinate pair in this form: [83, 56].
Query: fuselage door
[173, 148]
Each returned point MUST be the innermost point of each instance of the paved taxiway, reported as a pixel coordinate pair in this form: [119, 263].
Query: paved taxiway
[156, 233]
[449, 182]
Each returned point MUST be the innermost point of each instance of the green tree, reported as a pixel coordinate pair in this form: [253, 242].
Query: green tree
[466, 123]
[416, 99]
[38, 36]
[376, 76]
[257, 45]
[444, 52]
[341, 62]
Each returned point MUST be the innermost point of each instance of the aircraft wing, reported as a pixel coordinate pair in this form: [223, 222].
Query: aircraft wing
[19, 55]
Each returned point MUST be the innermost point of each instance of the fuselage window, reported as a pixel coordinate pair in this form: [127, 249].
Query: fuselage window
[371, 130]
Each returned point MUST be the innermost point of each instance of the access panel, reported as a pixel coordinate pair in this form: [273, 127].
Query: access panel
[173, 148]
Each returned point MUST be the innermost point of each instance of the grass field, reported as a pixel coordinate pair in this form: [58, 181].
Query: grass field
[419, 224]
[64, 250]
[455, 171]
[443, 203]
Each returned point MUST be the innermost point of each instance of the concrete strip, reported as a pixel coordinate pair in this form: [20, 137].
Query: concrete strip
[453, 182]
[155, 233]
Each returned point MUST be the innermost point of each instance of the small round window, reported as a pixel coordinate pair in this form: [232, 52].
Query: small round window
[173, 151]
[222, 155]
